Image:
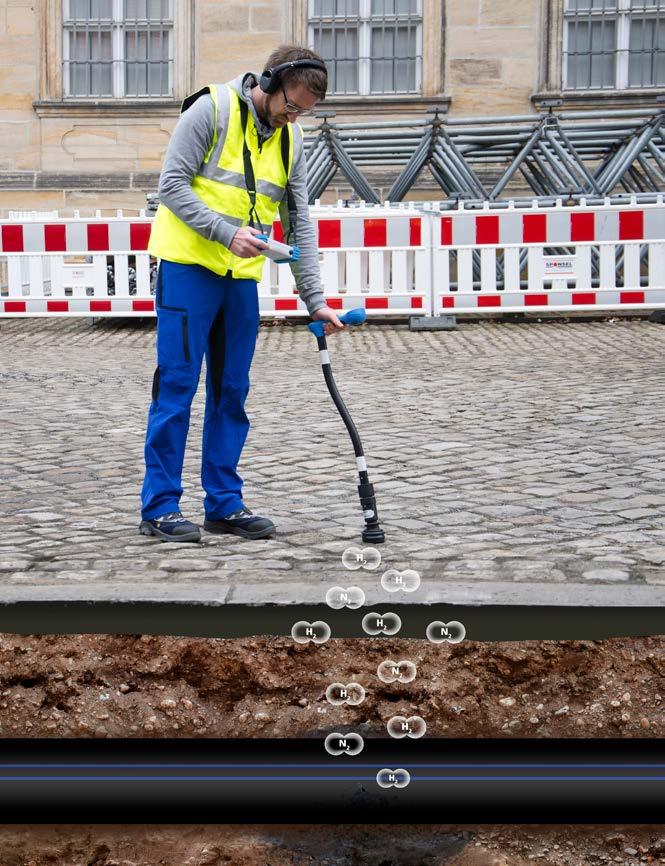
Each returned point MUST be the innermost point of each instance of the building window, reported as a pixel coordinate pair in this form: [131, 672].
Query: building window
[117, 48]
[613, 44]
[370, 46]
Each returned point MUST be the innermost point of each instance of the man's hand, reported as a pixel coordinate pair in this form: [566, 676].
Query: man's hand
[327, 315]
[246, 245]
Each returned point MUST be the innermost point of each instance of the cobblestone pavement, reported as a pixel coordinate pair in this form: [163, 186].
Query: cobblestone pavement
[514, 462]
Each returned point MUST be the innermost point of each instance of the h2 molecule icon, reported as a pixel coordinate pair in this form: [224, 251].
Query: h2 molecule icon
[352, 694]
[381, 623]
[400, 581]
[393, 778]
[311, 632]
[354, 558]
[344, 744]
[413, 727]
[337, 597]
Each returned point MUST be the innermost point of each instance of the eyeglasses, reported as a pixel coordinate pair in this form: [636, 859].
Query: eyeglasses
[290, 108]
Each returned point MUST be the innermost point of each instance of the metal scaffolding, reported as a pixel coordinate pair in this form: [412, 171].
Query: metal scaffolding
[549, 156]
[325, 155]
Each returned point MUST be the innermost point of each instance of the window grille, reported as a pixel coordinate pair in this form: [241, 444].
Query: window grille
[370, 46]
[117, 48]
[613, 44]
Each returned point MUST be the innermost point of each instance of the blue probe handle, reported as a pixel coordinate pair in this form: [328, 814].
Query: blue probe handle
[352, 317]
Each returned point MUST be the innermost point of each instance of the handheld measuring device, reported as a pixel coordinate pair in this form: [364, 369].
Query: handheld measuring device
[279, 252]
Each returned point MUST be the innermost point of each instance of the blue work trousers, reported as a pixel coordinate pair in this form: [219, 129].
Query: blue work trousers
[199, 313]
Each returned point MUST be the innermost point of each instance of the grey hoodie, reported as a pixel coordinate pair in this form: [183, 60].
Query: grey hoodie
[191, 140]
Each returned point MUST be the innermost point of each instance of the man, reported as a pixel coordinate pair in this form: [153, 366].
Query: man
[224, 178]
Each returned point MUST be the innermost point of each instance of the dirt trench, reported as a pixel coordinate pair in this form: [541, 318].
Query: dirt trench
[327, 845]
[146, 686]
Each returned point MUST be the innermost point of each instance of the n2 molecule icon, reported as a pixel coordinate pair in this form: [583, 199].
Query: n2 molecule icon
[446, 632]
[352, 597]
[396, 672]
[344, 744]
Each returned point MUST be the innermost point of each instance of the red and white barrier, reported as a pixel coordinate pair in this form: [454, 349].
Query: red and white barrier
[377, 257]
[391, 260]
[76, 267]
[561, 258]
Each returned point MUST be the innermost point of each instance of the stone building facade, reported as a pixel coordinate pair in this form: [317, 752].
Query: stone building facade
[63, 149]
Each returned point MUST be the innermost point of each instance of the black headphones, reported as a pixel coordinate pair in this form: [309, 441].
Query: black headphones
[269, 80]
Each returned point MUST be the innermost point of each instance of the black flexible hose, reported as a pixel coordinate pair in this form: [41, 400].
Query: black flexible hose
[372, 533]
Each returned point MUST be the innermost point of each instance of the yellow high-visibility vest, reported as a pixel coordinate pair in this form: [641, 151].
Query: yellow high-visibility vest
[220, 183]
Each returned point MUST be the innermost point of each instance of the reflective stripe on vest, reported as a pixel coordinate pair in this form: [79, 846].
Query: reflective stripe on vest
[220, 183]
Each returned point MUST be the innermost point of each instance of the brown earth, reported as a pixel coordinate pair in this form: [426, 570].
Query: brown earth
[326, 845]
[146, 686]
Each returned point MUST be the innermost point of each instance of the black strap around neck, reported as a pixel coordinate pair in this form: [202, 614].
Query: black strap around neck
[250, 180]
[290, 198]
